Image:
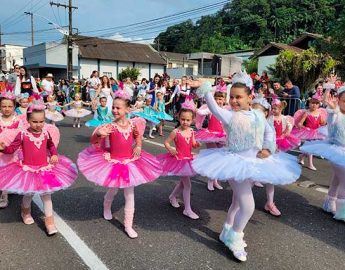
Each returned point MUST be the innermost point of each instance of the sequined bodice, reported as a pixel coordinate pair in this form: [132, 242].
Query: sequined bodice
[313, 122]
[184, 145]
[121, 141]
[35, 148]
[278, 126]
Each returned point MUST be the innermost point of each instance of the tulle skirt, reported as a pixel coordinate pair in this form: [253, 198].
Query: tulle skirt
[98, 167]
[54, 116]
[151, 118]
[334, 153]
[164, 116]
[77, 113]
[288, 143]
[96, 122]
[23, 179]
[308, 134]
[206, 136]
[173, 166]
[219, 163]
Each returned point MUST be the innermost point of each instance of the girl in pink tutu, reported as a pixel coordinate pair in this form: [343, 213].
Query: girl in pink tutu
[41, 171]
[307, 124]
[214, 135]
[178, 162]
[121, 165]
[283, 126]
[9, 127]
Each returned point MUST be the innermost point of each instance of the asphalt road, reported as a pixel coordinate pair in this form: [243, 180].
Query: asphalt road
[304, 237]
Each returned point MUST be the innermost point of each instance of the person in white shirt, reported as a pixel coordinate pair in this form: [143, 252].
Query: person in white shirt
[48, 85]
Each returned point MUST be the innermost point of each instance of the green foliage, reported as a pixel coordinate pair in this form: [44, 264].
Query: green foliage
[251, 65]
[252, 24]
[304, 68]
[129, 72]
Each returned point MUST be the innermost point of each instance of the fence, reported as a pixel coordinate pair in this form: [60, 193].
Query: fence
[293, 104]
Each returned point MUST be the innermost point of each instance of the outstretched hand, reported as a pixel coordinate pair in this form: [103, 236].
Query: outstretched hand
[2, 146]
[330, 100]
[104, 131]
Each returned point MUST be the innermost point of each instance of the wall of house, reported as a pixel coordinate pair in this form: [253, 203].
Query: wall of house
[144, 70]
[108, 68]
[265, 61]
[156, 69]
[11, 55]
[86, 67]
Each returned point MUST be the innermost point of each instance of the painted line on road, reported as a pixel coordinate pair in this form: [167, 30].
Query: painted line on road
[321, 189]
[155, 143]
[84, 252]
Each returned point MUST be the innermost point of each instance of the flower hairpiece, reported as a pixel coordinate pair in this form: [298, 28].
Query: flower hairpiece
[8, 95]
[221, 88]
[317, 96]
[263, 102]
[36, 107]
[275, 101]
[122, 94]
[341, 90]
[188, 104]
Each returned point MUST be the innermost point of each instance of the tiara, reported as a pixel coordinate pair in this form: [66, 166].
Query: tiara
[244, 78]
[8, 95]
[188, 104]
[341, 90]
[122, 94]
[36, 104]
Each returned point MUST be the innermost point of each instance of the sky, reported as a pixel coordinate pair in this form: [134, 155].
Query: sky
[128, 19]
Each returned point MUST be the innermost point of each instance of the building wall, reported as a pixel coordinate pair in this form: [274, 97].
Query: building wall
[107, 68]
[56, 54]
[265, 61]
[144, 70]
[86, 67]
[11, 55]
[156, 69]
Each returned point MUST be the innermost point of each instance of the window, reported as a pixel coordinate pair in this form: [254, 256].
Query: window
[108, 74]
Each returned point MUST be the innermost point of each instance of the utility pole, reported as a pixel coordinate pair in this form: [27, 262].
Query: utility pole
[32, 27]
[69, 37]
[0, 50]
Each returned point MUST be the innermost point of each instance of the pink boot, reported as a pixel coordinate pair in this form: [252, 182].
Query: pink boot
[128, 223]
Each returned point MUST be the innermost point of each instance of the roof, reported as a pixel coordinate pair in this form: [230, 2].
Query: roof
[279, 46]
[107, 49]
[304, 36]
[178, 57]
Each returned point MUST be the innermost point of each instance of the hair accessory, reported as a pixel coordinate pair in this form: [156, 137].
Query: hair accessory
[263, 102]
[275, 101]
[341, 90]
[221, 88]
[122, 94]
[148, 96]
[36, 104]
[317, 96]
[188, 104]
[23, 95]
[244, 78]
[8, 95]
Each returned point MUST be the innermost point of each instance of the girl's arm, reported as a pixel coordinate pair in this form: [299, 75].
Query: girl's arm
[195, 144]
[222, 114]
[34, 85]
[301, 122]
[52, 149]
[268, 146]
[86, 103]
[168, 141]
[71, 103]
[138, 142]
[13, 146]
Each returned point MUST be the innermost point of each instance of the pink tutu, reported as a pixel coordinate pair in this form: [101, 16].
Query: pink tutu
[206, 136]
[23, 179]
[288, 143]
[307, 134]
[7, 136]
[98, 167]
[173, 166]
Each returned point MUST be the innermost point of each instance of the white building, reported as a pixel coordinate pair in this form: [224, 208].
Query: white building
[108, 57]
[10, 55]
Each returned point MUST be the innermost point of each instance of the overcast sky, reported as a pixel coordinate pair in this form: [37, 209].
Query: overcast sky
[96, 15]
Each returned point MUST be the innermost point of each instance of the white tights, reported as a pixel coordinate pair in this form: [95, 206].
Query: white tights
[128, 193]
[242, 206]
[47, 203]
[337, 187]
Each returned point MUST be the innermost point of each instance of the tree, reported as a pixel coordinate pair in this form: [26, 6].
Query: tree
[129, 72]
[304, 68]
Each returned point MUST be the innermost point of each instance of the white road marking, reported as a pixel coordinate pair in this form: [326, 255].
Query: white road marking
[321, 189]
[155, 143]
[84, 252]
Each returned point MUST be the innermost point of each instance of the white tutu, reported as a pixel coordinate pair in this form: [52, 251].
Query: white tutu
[77, 113]
[54, 116]
[219, 163]
[334, 153]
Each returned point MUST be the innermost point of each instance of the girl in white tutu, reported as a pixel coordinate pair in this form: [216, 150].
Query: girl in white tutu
[246, 158]
[52, 113]
[270, 207]
[77, 111]
[333, 149]
[213, 135]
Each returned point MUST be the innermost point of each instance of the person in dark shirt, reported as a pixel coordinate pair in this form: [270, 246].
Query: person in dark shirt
[292, 95]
